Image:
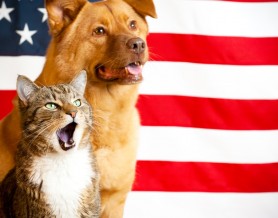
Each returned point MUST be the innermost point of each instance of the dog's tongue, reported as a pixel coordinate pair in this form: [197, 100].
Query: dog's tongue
[129, 74]
[134, 69]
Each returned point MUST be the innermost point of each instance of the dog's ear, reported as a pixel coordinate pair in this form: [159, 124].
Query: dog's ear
[143, 7]
[61, 13]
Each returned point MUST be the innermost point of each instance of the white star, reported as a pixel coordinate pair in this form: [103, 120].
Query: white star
[43, 11]
[26, 34]
[5, 12]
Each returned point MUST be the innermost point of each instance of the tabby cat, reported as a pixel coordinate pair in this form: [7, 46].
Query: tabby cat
[55, 173]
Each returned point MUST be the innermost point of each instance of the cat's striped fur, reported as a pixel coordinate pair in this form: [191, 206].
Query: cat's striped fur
[55, 173]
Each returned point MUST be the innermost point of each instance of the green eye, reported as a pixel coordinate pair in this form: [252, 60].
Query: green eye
[51, 106]
[77, 103]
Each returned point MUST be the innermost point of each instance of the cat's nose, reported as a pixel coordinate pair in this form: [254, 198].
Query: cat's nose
[72, 113]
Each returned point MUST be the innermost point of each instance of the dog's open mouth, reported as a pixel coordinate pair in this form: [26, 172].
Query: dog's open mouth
[65, 136]
[130, 74]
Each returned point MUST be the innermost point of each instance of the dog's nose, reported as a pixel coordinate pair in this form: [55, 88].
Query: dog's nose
[137, 45]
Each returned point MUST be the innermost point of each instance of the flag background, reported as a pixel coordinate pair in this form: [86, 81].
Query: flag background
[208, 105]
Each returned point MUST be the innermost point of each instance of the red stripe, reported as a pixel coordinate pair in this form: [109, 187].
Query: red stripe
[205, 177]
[212, 113]
[6, 98]
[196, 112]
[213, 49]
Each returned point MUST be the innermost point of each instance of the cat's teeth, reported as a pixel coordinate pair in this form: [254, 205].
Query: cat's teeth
[70, 145]
[71, 142]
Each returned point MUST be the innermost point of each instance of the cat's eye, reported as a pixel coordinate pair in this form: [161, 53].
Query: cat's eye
[51, 106]
[77, 103]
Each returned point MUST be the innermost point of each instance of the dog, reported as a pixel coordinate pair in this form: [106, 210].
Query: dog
[108, 40]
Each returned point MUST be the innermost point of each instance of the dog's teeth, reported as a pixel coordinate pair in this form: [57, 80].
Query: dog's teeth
[137, 63]
[126, 71]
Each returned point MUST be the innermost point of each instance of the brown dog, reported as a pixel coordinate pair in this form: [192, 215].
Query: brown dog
[108, 40]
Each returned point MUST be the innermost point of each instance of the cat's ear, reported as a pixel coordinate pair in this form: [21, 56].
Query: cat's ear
[25, 87]
[79, 82]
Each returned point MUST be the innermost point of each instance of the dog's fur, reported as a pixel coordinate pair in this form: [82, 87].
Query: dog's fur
[102, 38]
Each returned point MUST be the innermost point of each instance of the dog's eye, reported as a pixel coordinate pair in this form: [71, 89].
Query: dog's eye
[133, 25]
[99, 31]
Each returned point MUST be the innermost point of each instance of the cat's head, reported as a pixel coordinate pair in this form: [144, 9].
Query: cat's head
[56, 116]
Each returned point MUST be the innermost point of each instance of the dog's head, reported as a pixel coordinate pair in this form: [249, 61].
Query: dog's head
[105, 38]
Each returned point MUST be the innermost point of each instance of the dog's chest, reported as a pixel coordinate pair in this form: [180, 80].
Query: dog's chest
[65, 177]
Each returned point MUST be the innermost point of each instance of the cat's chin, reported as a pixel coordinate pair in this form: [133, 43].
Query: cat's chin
[65, 136]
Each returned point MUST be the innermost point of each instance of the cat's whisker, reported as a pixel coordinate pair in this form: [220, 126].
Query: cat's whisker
[45, 124]
[41, 131]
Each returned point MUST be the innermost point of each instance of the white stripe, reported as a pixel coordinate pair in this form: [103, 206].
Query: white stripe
[30, 66]
[208, 80]
[174, 78]
[201, 205]
[221, 18]
[207, 145]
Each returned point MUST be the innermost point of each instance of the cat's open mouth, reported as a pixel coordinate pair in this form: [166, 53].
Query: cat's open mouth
[65, 136]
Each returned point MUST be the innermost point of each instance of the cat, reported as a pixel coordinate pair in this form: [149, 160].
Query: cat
[55, 173]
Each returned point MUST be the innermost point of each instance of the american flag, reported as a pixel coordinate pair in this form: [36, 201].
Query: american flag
[208, 104]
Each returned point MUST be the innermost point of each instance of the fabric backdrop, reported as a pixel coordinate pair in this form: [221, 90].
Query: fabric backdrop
[208, 104]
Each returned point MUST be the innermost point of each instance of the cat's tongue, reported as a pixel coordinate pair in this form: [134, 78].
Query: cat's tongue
[65, 136]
